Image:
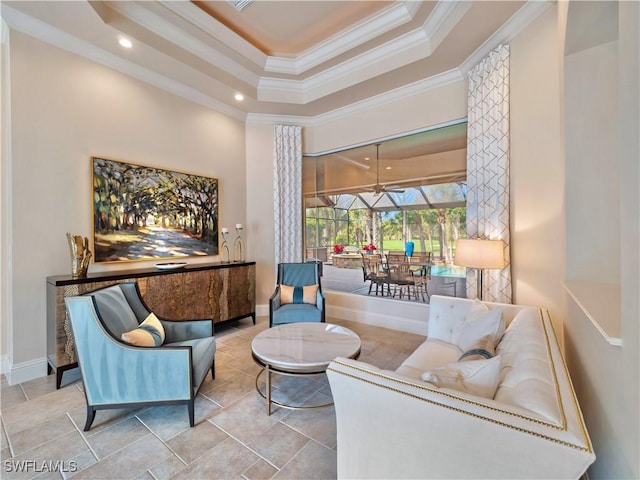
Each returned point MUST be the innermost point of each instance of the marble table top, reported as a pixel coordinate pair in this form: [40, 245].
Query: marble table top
[304, 347]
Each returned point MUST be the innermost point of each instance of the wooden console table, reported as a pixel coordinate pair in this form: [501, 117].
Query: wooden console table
[221, 291]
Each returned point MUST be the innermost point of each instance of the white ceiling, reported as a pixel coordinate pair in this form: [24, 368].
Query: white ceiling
[293, 58]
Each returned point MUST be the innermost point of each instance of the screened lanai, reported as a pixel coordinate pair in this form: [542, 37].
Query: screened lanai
[423, 214]
[380, 196]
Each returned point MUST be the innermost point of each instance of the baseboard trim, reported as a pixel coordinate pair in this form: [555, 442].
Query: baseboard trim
[262, 310]
[382, 312]
[4, 364]
[378, 320]
[25, 371]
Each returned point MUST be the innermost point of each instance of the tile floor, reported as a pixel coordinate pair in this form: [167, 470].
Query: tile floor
[233, 437]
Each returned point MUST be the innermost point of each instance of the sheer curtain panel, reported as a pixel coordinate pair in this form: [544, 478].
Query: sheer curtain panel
[488, 167]
[287, 188]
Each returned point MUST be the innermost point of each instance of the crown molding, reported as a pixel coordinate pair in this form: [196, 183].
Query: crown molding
[442, 19]
[386, 20]
[281, 90]
[212, 27]
[402, 50]
[138, 13]
[511, 28]
[400, 93]
[291, 91]
[407, 91]
[56, 37]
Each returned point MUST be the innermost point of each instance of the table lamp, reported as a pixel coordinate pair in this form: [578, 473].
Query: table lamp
[481, 255]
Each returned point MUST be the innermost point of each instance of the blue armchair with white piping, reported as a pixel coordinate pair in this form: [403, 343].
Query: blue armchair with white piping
[298, 295]
[116, 374]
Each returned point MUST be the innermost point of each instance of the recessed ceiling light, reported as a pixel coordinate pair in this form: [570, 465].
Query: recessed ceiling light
[366, 158]
[125, 42]
[239, 97]
[387, 168]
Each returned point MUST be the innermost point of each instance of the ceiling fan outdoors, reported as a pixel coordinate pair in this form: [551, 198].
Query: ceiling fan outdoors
[378, 188]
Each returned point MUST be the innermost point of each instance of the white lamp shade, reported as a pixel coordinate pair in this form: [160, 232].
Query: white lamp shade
[479, 253]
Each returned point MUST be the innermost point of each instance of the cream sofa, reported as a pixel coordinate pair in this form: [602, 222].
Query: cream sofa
[394, 424]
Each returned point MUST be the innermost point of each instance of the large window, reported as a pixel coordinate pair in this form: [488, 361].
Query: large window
[349, 222]
[411, 188]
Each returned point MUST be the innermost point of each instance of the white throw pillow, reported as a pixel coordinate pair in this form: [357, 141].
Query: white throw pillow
[480, 322]
[477, 377]
[149, 333]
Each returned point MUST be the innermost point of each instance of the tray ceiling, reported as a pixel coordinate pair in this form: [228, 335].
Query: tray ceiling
[293, 58]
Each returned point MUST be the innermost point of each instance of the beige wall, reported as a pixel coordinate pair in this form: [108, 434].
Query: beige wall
[603, 133]
[260, 208]
[593, 108]
[537, 167]
[431, 107]
[66, 109]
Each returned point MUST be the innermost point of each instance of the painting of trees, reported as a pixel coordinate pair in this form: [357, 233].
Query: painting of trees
[145, 212]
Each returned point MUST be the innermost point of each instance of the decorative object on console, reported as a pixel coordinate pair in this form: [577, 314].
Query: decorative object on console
[225, 256]
[479, 254]
[238, 245]
[80, 255]
[170, 265]
[143, 213]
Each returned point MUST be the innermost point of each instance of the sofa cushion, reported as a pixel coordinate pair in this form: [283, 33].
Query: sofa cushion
[430, 354]
[150, 333]
[527, 378]
[481, 350]
[202, 352]
[297, 312]
[478, 377]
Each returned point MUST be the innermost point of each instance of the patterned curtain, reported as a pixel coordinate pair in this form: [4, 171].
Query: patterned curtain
[488, 167]
[287, 187]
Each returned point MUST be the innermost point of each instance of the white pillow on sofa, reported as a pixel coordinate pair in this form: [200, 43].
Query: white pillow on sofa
[477, 377]
[479, 322]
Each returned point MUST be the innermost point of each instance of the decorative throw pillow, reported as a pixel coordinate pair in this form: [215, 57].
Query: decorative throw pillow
[306, 294]
[477, 377]
[481, 350]
[480, 321]
[149, 333]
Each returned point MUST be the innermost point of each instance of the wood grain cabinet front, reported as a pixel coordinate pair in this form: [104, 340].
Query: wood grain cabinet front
[223, 292]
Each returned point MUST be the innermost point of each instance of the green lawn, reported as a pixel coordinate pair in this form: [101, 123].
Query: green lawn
[399, 245]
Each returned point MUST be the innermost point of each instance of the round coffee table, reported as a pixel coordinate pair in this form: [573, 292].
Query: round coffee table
[299, 349]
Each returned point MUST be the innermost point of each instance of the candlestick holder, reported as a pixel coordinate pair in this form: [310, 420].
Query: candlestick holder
[238, 245]
[225, 256]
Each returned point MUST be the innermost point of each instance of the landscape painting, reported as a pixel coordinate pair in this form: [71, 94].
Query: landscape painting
[143, 213]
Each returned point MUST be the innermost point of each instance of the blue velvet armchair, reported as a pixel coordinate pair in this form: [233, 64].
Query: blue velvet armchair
[298, 307]
[116, 374]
